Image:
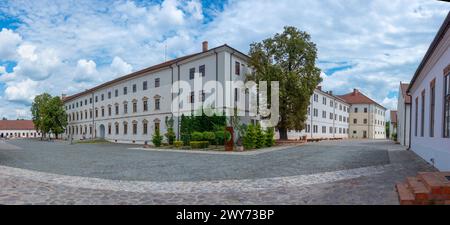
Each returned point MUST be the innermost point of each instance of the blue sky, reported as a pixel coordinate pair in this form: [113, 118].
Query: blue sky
[68, 46]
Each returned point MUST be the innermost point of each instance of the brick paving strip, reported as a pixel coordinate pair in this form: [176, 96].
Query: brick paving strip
[189, 187]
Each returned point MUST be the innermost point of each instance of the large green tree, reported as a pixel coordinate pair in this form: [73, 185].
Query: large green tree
[290, 58]
[49, 114]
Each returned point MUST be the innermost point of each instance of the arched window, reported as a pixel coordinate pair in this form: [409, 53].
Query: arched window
[125, 128]
[117, 127]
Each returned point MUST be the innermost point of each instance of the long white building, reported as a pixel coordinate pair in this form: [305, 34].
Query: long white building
[18, 129]
[430, 102]
[327, 117]
[403, 115]
[130, 108]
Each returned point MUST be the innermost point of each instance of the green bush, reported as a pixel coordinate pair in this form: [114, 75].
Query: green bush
[178, 144]
[249, 138]
[157, 138]
[259, 137]
[209, 136]
[220, 137]
[199, 144]
[269, 137]
[196, 136]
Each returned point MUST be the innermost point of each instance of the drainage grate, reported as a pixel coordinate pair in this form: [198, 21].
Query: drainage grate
[448, 177]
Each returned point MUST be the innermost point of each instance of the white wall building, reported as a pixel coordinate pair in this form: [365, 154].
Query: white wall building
[18, 129]
[327, 117]
[430, 102]
[393, 125]
[367, 117]
[130, 108]
[403, 115]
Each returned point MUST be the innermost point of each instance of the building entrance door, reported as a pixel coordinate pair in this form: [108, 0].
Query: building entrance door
[364, 134]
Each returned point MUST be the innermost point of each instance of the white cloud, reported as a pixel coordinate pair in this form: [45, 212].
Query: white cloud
[68, 46]
[23, 91]
[86, 71]
[2, 70]
[120, 67]
[8, 43]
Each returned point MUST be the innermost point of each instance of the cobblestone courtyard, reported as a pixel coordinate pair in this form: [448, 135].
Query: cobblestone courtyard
[329, 172]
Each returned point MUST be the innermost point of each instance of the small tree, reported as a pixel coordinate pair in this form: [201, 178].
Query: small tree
[269, 135]
[259, 137]
[157, 138]
[249, 138]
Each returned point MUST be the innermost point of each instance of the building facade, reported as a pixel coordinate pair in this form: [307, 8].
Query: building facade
[430, 102]
[327, 117]
[367, 117]
[131, 108]
[18, 129]
[393, 125]
[403, 115]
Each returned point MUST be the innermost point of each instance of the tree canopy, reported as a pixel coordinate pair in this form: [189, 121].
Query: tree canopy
[48, 114]
[290, 58]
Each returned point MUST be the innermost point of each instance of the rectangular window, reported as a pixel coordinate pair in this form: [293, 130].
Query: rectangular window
[237, 68]
[331, 130]
[331, 116]
[134, 88]
[202, 96]
[201, 70]
[145, 105]
[365, 121]
[103, 112]
[144, 85]
[157, 104]
[109, 95]
[156, 127]
[355, 121]
[117, 109]
[117, 128]
[432, 101]
[156, 82]
[422, 115]
[446, 132]
[125, 128]
[134, 107]
[191, 73]
[109, 129]
[103, 97]
[356, 110]
[192, 97]
[324, 100]
[116, 93]
[324, 114]
[416, 116]
[109, 110]
[324, 129]
[96, 99]
[316, 113]
[365, 110]
[144, 128]
[125, 108]
[134, 128]
[125, 90]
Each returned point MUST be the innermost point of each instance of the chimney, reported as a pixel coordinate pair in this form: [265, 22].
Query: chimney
[319, 87]
[205, 46]
[63, 96]
[355, 91]
[330, 92]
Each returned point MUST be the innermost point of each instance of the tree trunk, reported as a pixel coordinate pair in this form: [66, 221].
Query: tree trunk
[283, 133]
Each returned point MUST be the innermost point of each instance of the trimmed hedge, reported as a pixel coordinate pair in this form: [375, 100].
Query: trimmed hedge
[199, 144]
[196, 136]
[178, 144]
[209, 136]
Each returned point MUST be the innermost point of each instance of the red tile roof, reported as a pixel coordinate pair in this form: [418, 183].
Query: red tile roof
[404, 88]
[16, 125]
[393, 116]
[356, 97]
[146, 70]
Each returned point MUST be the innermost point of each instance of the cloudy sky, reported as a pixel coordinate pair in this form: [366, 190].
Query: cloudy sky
[68, 46]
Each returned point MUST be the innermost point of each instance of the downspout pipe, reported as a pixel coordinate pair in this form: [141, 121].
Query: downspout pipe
[410, 122]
